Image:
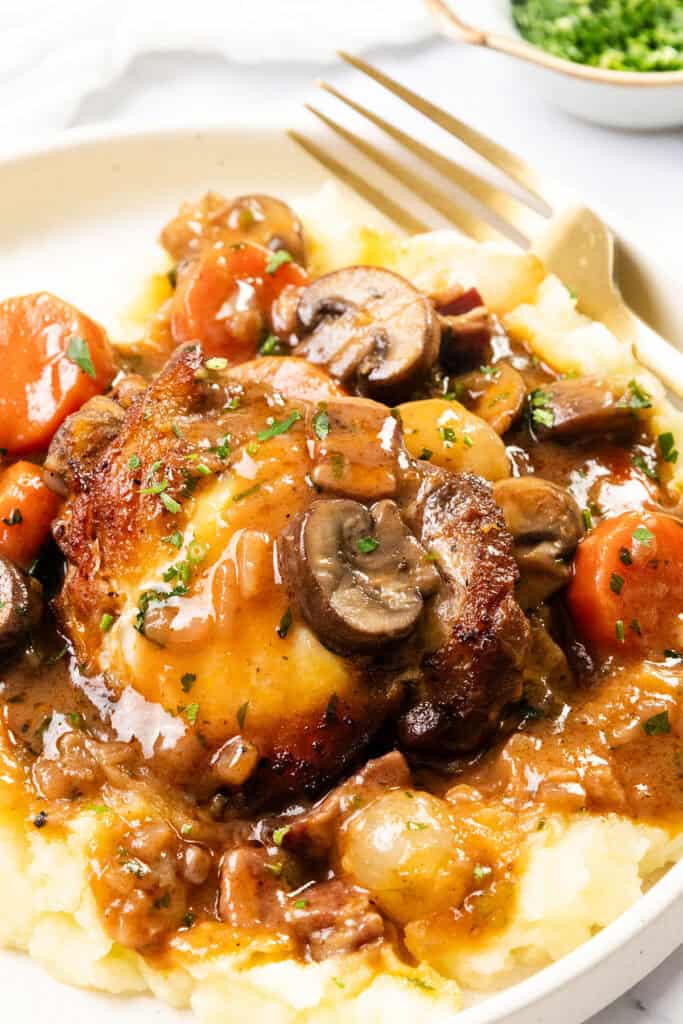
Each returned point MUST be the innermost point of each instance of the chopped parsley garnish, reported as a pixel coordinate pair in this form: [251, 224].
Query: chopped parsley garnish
[467, 440]
[658, 725]
[106, 622]
[321, 424]
[447, 435]
[223, 449]
[635, 626]
[481, 871]
[619, 630]
[421, 983]
[425, 455]
[78, 352]
[490, 371]
[134, 462]
[216, 363]
[277, 260]
[234, 403]
[246, 494]
[616, 582]
[175, 539]
[625, 556]
[191, 712]
[643, 535]
[300, 904]
[640, 462]
[270, 347]
[673, 655]
[14, 518]
[416, 826]
[366, 545]
[540, 404]
[177, 431]
[339, 983]
[187, 681]
[636, 397]
[279, 834]
[275, 869]
[587, 516]
[285, 624]
[170, 504]
[188, 919]
[186, 829]
[157, 488]
[667, 447]
[278, 427]
[242, 714]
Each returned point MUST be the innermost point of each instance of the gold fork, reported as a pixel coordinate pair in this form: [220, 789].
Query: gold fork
[571, 239]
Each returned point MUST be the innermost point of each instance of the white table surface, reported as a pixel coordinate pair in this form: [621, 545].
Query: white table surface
[639, 177]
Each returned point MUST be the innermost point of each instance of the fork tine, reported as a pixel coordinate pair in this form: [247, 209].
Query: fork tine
[412, 225]
[520, 218]
[468, 224]
[496, 154]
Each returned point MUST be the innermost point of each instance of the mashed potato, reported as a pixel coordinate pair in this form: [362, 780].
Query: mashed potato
[579, 873]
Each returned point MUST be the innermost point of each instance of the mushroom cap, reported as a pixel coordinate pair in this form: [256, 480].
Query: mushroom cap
[21, 604]
[358, 575]
[546, 525]
[372, 330]
[583, 406]
[268, 222]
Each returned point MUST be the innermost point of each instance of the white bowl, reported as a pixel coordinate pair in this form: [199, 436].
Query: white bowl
[619, 99]
[79, 218]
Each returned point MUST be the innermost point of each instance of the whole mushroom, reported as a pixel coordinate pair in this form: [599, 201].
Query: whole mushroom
[371, 329]
[358, 575]
[545, 522]
[21, 604]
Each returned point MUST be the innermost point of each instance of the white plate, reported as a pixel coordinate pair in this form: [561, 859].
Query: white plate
[80, 219]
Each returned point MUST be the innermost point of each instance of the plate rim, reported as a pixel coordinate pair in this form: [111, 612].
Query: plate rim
[592, 955]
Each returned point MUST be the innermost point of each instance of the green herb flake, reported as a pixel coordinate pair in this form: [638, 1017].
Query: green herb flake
[338, 982]
[625, 556]
[188, 919]
[175, 539]
[636, 397]
[106, 622]
[98, 809]
[619, 630]
[170, 504]
[540, 404]
[300, 904]
[187, 680]
[467, 440]
[481, 871]
[277, 260]
[416, 826]
[271, 346]
[242, 714]
[640, 462]
[216, 363]
[191, 712]
[672, 655]
[246, 494]
[134, 462]
[658, 725]
[284, 624]
[447, 436]
[634, 625]
[616, 582]
[667, 447]
[587, 517]
[643, 535]
[321, 424]
[78, 351]
[186, 829]
[421, 983]
[366, 545]
[14, 518]
[275, 869]
[278, 427]
[279, 834]
[425, 455]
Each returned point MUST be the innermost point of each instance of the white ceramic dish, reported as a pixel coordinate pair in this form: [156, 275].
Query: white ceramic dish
[619, 99]
[80, 218]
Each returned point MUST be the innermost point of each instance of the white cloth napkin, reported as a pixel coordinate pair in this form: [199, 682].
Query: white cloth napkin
[55, 52]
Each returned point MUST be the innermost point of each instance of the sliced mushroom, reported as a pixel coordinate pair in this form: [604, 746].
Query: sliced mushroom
[465, 338]
[371, 329]
[214, 219]
[21, 604]
[80, 441]
[545, 522]
[358, 575]
[581, 406]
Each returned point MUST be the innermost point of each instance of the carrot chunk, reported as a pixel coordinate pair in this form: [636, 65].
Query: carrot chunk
[627, 588]
[54, 358]
[27, 508]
